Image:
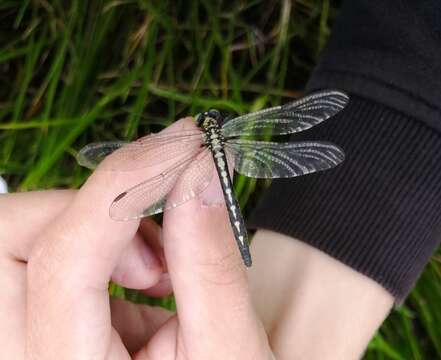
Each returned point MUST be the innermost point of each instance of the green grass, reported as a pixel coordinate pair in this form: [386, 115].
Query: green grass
[75, 72]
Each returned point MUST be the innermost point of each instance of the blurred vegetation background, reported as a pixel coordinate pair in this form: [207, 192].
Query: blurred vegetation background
[72, 72]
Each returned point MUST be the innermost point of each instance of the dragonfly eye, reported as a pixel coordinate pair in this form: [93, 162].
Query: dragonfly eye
[215, 114]
[199, 118]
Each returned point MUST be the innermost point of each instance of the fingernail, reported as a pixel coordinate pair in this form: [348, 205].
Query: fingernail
[149, 258]
[213, 195]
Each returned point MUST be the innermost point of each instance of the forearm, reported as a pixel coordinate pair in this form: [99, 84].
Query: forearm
[373, 222]
[313, 306]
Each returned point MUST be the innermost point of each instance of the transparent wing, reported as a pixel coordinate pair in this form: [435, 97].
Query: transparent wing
[289, 118]
[170, 189]
[261, 159]
[146, 151]
[92, 154]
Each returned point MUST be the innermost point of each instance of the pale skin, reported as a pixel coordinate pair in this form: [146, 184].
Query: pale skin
[59, 249]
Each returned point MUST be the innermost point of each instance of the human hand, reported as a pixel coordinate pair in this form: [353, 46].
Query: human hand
[59, 249]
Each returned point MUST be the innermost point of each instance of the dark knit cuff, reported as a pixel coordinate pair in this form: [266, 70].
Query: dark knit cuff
[380, 211]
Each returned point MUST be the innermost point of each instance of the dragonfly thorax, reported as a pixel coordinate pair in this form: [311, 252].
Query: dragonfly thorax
[210, 122]
[212, 134]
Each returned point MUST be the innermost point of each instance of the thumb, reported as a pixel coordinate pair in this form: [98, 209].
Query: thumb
[209, 280]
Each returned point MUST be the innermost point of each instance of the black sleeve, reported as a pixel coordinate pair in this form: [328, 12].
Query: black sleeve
[380, 211]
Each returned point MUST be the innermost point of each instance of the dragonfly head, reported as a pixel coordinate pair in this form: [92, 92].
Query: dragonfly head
[209, 116]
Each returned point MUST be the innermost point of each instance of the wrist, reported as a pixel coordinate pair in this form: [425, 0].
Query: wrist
[313, 306]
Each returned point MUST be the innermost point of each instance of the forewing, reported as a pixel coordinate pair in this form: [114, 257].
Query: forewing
[149, 150]
[92, 154]
[171, 188]
[261, 159]
[293, 117]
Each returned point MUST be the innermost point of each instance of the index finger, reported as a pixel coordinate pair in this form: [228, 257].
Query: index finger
[69, 269]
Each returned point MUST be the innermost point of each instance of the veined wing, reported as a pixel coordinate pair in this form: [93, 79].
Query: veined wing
[171, 188]
[262, 159]
[293, 117]
[147, 151]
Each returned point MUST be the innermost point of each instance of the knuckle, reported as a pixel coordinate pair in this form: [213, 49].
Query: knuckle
[48, 257]
[223, 268]
[43, 262]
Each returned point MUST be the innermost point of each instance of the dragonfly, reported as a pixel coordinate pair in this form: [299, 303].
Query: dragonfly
[224, 144]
